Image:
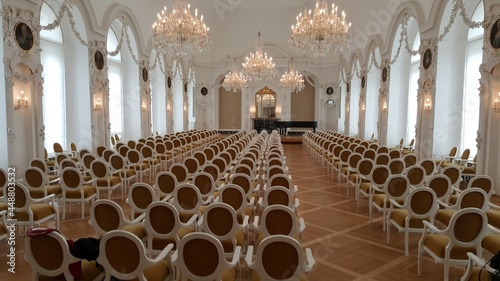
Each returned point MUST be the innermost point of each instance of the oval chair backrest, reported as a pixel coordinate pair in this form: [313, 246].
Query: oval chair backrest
[107, 214]
[46, 253]
[99, 169]
[140, 196]
[191, 164]
[278, 195]
[397, 166]
[117, 162]
[204, 182]
[441, 185]
[468, 227]
[280, 258]
[202, 254]
[279, 219]
[233, 195]
[382, 159]
[422, 202]
[379, 175]
[483, 182]
[118, 244]
[397, 187]
[453, 173]
[87, 160]
[34, 177]
[162, 218]
[243, 181]
[58, 148]
[180, 171]
[220, 220]
[71, 178]
[187, 197]
[36, 162]
[365, 167]
[280, 180]
[429, 165]
[213, 170]
[3, 179]
[166, 182]
[473, 198]
[200, 156]
[395, 154]
[416, 175]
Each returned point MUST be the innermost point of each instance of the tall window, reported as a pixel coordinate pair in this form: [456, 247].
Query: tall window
[413, 93]
[52, 58]
[474, 57]
[115, 88]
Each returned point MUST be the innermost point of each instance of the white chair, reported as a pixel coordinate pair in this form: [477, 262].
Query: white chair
[450, 246]
[280, 257]
[122, 255]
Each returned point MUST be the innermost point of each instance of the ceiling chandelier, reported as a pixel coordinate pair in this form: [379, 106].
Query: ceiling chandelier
[292, 80]
[258, 65]
[234, 80]
[321, 30]
[180, 33]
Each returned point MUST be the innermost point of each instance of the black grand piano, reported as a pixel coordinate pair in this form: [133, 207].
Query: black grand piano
[283, 125]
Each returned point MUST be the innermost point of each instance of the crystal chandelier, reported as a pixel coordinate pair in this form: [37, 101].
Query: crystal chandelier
[321, 30]
[258, 65]
[292, 80]
[234, 80]
[180, 33]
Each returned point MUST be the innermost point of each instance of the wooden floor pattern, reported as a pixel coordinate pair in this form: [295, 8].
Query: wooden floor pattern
[345, 244]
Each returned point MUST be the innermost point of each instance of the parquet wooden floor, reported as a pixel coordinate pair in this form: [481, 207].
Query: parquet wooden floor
[345, 244]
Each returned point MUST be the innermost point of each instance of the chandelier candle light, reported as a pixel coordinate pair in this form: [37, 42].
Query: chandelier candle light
[292, 80]
[179, 32]
[234, 80]
[258, 65]
[321, 30]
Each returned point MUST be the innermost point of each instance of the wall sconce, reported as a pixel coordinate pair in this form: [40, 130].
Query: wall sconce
[278, 110]
[98, 105]
[185, 108]
[252, 110]
[348, 109]
[168, 107]
[384, 107]
[144, 108]
[427, 105]
[22, 102]
[363, 108]
[496, 104]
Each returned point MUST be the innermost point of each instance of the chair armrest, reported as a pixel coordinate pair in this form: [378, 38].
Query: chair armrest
[443, 204]
[394, 203]
[248, 257]
[245, 222]
[43, 199]
[493, 229]
[139, 219]
[252, 201]
[236, 256]
[257, 187]
[296, 203]
[164, 253]
[256, 221]
[494, 206]
[432, 227]
[192, 220]
[302, 224]
[310, 260]
[168, 197]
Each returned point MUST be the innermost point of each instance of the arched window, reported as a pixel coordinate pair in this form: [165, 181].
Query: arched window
[158, 95]
[456, 103]
[115, 87]
[354, 104]
[54, 102]
[473, 59]
[411, 120]
[371, 102]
